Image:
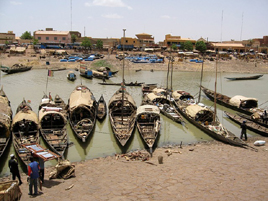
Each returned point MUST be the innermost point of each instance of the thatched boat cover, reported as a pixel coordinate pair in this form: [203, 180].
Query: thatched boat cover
[179, 93]
[118, 96]
[192, 110]
[159, 91]
[237, 100]
[43, 113]
[153, 96]
[27, 115]
[5, 113]
[148, 109]
[81, 96]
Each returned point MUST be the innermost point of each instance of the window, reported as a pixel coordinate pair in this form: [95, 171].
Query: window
[126, 41]
[63, 38]
[55, 38]
[47, 38]
[39, 38]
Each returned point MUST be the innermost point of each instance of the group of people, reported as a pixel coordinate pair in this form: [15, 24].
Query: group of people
[35, 172]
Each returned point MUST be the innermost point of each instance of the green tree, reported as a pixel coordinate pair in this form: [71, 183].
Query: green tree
[201, 46]
[26, 35]
[174, 47]
[86, 43]
[188, 46]
[73, 38]
[35, 41]
[99, 44]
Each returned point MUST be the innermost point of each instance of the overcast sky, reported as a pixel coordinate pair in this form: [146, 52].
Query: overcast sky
[217, 20]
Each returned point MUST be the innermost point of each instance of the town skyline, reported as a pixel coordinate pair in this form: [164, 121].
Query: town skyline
[215, 21]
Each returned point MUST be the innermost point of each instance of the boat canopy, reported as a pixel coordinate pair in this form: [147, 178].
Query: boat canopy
[244, 102]
[118, 96]
[156, 97]
[81, 96]
[148, 109]
[180, 95]
[27, 115]
[43, 113]
[199, 113]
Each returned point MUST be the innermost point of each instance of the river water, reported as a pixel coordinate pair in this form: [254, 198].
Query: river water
[31, 85]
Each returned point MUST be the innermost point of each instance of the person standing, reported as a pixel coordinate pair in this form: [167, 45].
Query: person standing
[42, 169]
[243, 130]
[33, 174]
[14, 169]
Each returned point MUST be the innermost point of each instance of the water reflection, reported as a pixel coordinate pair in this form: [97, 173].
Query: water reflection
[32, 84]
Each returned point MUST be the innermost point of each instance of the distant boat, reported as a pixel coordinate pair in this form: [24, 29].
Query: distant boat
[71, 76]
[126, 84]
[245, 78]
[101, 108]
[58, 69]
[16, 68]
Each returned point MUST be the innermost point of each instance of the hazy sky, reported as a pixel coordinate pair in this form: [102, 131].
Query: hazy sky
[213, 19]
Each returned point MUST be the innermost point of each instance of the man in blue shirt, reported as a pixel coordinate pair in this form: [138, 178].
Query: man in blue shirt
[33, 173]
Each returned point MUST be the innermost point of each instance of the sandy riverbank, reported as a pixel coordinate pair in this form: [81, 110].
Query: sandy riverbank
[234, 65]
[205, 171]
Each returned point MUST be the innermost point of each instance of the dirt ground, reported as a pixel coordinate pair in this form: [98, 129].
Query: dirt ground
[204, 171]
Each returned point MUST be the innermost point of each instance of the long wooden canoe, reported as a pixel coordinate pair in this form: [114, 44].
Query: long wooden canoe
[82, 112]
[202, 117]
[239, 103]
[254, 77]
[251, 125]
[5, 121]
[25, 131]
[122, 115]
[101, 108]
[53, 124]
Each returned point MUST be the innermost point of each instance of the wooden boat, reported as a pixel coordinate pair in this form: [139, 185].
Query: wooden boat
[53, 124]
[5, 121]
[148, 123]
[100, 75]
[101, 108]
[85, 72]
[134, 84]
[148, 88]
[254, 77]
[239, 103]
[82, 112]
[16, 68]
[138, 70]
[256, 117]
[71, 76]
[25, 130]
[251, 125]
[160, 98]
[122, 115]
[203, 118]
[102, 69]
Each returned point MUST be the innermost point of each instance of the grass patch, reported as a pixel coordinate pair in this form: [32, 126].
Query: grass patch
[102, 63]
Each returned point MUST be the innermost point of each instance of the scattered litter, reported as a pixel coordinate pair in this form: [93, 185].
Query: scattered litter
[69, 187]
[259, 143]
[134, 156]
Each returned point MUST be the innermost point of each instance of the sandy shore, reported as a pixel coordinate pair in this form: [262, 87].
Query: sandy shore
[205, 171]
[234, 65]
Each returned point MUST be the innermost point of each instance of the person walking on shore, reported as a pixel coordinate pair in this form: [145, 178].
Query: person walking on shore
[243, 130]
[33, 174]
[14, 169]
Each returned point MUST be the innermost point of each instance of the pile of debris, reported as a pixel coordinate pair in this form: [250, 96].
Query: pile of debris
[134, 156]
[63, 170]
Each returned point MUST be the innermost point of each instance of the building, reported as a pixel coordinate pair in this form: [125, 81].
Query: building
[8, 37]
[176, 40]
[144, 40]
[228, 46]
[50, 36]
